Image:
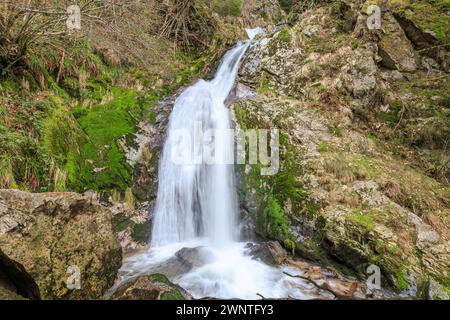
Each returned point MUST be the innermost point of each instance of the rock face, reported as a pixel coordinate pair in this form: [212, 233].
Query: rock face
[269, 252]
[342, 197]
[395, 48]
[45, 239]
[153, 287]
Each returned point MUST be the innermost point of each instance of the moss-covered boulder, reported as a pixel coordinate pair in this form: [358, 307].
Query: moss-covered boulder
[50, 237]
[152, 287]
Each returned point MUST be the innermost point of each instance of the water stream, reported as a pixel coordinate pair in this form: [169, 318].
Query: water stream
[197, 203]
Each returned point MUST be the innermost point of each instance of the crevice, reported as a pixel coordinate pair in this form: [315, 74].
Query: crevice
[14, 277]
[424, 42]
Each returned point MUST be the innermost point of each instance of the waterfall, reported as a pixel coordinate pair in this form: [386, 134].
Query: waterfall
[197, 203]
[196, 199]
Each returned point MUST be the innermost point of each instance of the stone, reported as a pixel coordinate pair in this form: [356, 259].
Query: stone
[184, 261]
[426, 234]
[362, 72]
[45, 238]
[270, 252]
[395, 48]
[436, 291]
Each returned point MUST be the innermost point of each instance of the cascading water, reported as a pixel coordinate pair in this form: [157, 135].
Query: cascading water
[195, 199]
[197, 202]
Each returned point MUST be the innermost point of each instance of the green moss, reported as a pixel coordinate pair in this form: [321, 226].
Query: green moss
[61, 133]
[402, 281]
[431, 15]
[284, 37]
[324, 146]
[274, 193]
[276, 220]
[364, 219]
[105, 125]
[173, 294]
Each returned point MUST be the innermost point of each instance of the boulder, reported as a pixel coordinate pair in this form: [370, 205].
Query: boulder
[152, 287]
[47, 239]
[436, 291]
[395, 48]
[270, 252]
[184, 261]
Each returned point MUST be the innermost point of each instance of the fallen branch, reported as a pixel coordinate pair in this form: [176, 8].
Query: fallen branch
[326, 287]
[61, 66]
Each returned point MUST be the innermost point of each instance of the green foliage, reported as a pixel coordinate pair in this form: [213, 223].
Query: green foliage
[402, 281]
[228, 7]
[284, 36]
[429, 15]
[363, 219]
[277, 223]
[61, 133]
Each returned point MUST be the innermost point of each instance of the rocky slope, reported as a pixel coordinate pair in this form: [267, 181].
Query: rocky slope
[358, 112]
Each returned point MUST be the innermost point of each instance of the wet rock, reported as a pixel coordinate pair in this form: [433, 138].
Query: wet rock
[240, 92]
[269, 252]
[194, 257]
[45, 236]
[152, 287]
[184, 261]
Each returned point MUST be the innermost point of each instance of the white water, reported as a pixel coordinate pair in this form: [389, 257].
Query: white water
[197, 205]
[252, 33]
[198, 200]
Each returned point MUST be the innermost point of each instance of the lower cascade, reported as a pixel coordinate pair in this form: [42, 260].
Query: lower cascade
[196, 211]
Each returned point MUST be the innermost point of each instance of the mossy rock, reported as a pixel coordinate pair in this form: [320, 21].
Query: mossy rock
[152, 287]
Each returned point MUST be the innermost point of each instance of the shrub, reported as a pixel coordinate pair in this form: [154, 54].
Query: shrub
[228, 7]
